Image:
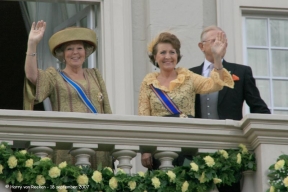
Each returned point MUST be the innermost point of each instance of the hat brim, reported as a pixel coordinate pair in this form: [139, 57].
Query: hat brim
[72, 34]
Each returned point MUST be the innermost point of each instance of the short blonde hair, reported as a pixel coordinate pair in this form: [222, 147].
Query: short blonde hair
[207, 29]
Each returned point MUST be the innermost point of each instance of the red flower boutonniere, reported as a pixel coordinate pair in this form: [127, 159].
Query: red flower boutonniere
[235, 77]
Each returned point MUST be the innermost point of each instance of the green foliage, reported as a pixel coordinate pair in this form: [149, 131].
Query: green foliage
[221, 167]
[278, 175]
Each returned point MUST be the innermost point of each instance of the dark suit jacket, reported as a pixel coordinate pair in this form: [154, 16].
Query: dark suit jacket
[230, 101]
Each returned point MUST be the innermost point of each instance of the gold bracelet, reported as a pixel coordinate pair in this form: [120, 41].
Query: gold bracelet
[32, 54]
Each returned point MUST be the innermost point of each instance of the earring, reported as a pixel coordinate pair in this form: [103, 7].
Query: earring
[156, 65]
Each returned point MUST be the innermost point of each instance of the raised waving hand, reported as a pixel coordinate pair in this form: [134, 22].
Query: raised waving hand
[218, 49]
[37, 32]
[35, 36]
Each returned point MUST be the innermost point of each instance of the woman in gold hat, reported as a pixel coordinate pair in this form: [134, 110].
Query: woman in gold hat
[73, 89]
[171, 92]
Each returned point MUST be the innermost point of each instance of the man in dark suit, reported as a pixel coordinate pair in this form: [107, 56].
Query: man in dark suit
[227, 103]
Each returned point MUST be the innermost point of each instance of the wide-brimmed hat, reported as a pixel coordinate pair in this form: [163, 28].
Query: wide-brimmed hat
[73, 34]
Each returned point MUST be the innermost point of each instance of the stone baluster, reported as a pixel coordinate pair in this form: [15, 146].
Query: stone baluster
[41, 149]
[124, 154]
[166, 155]
[82, 152]
[248, 181]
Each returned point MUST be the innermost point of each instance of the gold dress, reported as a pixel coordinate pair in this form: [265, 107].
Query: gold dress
[64, 98]
[182, 91]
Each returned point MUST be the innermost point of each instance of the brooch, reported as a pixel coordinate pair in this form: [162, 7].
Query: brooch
[100, 97]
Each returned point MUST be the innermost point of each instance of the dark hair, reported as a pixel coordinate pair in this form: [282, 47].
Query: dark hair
[165, 37]
[59, 51]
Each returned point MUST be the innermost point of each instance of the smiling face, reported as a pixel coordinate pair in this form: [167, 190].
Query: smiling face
[166, 56]
[74, 54]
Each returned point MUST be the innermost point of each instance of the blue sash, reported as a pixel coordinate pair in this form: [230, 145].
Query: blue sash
[80, 92]
[166, 101]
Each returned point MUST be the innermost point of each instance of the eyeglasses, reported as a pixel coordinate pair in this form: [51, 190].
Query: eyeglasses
[209, 40]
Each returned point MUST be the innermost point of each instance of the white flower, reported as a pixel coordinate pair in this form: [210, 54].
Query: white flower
[132, 185]
[279, 165]
[40, 180]
[239, 158]
[12, 162]
[224, 153]
[120, 171]
[285, 181]
[54, 172]
[2, 146]
[202, 178]
[23, 152]
[45, 159]
[19, 177]
[113, 183]
[108, 168]
[194, 166]
[1, 169]
[216, 180]
[29, 163]
[141, 174]
[82, 180]
[185, 186]
[244, 148]
[171, 176]
[156, 182]
[209, 161]
[97, 176]
[62, 165]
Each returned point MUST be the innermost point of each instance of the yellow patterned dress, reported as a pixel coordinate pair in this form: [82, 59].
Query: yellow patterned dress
[182, 91]
[64, 98]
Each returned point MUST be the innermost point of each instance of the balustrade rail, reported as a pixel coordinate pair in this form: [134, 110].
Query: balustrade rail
[125, 135]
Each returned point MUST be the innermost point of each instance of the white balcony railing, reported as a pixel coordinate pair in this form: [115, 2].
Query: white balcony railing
[124, 135]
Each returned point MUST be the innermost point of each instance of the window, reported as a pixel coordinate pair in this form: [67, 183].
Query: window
[266, 52]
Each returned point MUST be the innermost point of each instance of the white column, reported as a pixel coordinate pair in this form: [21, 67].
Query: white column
[117, 66]
[166, 155]
[82, 152]
[124, 154]
[41, 149]
[248, 181]
[266, 155]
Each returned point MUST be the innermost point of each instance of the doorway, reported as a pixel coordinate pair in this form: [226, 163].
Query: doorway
[13, 41]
